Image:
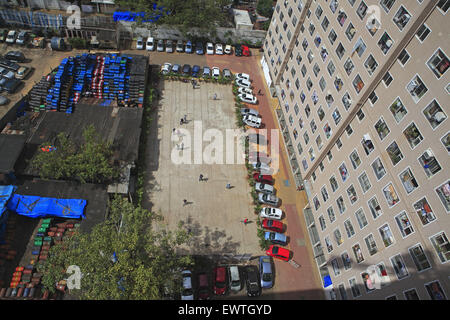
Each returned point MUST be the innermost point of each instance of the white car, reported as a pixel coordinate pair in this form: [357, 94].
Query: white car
[243, 76]
[264, 168]
[243, 83]
[188, 292]
[253, 112]
[247, 98]
[215, 72]
[165, 69]
[271, 213]
[245, 90]
[140, 43]
[219, 48]
[209, 48]
[264, 188]
[11, 37]
[269, 199]
[169, 46]
[252, 121]
[228, 49]
[150, 45]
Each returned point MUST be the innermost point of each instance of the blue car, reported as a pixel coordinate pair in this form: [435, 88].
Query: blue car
[195, 71]
[199, 48]
[188, 47]
[276, 238]
[266, 272]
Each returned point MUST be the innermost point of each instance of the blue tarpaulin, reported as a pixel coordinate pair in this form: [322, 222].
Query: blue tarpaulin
[5, 195]
[150, 17]
[37, 207]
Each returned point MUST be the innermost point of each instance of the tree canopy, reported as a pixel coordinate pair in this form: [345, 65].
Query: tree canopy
[265, 8]
[145, 261]
[91, 161]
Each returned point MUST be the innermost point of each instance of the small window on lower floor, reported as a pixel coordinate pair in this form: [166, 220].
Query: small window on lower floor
[424, 211]
[411, 294]
[399, 267]
[419, 257]
[371, 244]
[404, 224]
[434, 288]
[441, 246]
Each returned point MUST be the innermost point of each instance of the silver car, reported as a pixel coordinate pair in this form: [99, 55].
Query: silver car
[253, 112]
[269, 199]
[169, 46]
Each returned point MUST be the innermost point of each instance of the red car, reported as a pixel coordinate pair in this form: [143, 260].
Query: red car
[263, 178]
[203, 287]
[245, 51]
[272, 225]
[220, 281]
[278, 252]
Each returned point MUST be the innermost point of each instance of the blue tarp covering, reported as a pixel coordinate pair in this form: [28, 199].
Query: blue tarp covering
[5, 194]
[327, 281]
[131, 16]
[36, 207]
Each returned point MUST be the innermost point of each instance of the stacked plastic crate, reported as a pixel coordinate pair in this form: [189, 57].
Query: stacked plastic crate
[98, 77]
[53, 98]
[136, 83]
[38, 93]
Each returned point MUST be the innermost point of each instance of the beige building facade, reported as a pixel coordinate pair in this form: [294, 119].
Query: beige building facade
[364, 92]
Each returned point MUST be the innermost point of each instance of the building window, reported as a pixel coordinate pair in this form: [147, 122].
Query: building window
[333, 5]
[386, 235]
[441, 246]
[394, 153]
[434, 114]
[375, 208]
[364, 182]
[403, 57]
[446, 142]
[342, 17]
[401, 18]
[359, 47]
[346, 261]
[328, 131]
[373, 98]
[347, 101]
[338, 236]
[387, 79]
[335, 265]
[324, 194]
[323, 225]
[331, 214]
[350, 32]
[378, 169]
[343, 171]
[349, 66]
[382, 128]
[362, 10]
[325, 23]
[338, 143]
[419, 257]
[320, 113]
[352, 196]
[334, 184]
[371, 64]
[387, 4]
[385, 43]
[312, 155]
[399, 267]
[423, 32]
[340, 50]
[434, 288]
[443, 5]
[424, 211]
[358, 84]
[398, 110]
[355, 160]
[355, 288]
[413, 135]
[349, 228]
[322, 84]
[409, 182]
[371, 244]
[340, 204]
[367, 144]
[336, 116]
[429, 163]
[391, 195]
[443, 194]
[373, 25]
[404, 224]
[342, 292]
[361, 218]
[316, 203]
[411, 294]
[332, 36]
[358, 253]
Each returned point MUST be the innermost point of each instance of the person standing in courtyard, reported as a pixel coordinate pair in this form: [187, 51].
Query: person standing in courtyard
[228, 186]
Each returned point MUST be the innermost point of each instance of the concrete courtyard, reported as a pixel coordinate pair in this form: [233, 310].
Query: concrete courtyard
[213, 214]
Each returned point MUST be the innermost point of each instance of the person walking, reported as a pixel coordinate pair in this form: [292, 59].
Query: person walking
[245, 221]
[182, 146]
[184, 202]
[185, 118]
[215, 96]
[259, 92]
[200, 178]
[228, 186]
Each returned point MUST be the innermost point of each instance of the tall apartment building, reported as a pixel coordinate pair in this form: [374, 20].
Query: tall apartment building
[364, 92]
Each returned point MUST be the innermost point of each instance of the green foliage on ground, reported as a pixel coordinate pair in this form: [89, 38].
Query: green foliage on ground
[265, 8]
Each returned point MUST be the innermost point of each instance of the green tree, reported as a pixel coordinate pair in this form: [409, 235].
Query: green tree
[146, 259]
[91, 161]
[265, 8]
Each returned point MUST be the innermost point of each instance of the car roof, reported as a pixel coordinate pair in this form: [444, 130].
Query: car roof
[220, 273]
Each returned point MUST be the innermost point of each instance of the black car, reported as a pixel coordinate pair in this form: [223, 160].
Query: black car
[16, 56]
[238, 50]
[252, 281]
[186, 69]
[10, 85]
[9, 64]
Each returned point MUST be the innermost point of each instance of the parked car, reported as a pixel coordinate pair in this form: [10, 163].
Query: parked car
[238, 50]
[263, 178]
[227, 73]
[209, 48]
[275, 238]
[150, 45]
[262, 167]
[176, 68]
[252, 281]
[269, 199]
[206, 71]
[273, 225]
[3, 100]
[228, 49]
[243, 83]
[257, 154]
[199, 48]
[245, 90]
[22, 38]
[278, 252]
[139, 43]
[9, 74]
[165, 69]
[243, 76]
[245, 51]
[220, 281]
[266, 272]
[219, 48]
[215, 72]
[247, 98]
[251, 111]
[16, 56]
[203, 292]
[11, 37]
[234, 278]
[188, 48]
[252, 121]
[160, 45]
[10, 85]
[260, 159]
[3, 35]
[195, 71]
[9, 64]
[169, 46]
[271, 213]
[265, 188]
[186, 69]
[187, 292]
[180, 46]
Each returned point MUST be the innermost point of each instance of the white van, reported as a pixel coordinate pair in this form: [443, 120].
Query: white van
[235, 280]
[252, 121]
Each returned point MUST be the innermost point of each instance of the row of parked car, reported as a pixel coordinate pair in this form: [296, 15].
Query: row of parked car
[170, 46]
[11, 73]
[227, 279]
[196, 71]
[13, 36]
